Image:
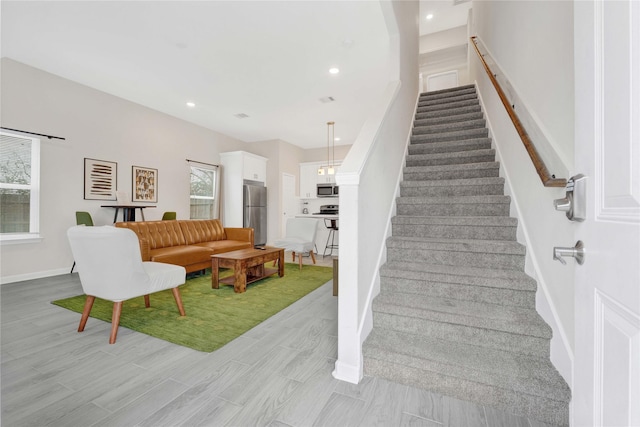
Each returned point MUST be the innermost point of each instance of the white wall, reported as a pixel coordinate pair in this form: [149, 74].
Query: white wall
[444, 51]
[534, 40]
[101, 126]
[105, 127]
[443, 39]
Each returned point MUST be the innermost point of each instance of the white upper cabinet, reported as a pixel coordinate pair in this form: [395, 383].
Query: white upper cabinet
[238, 166]
[254, 168]
[309, 178]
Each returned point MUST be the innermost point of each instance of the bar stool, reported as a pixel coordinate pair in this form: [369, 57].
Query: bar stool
[332, 226]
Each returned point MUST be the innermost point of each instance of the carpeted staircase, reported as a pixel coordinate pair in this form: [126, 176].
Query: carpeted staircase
[456, 312]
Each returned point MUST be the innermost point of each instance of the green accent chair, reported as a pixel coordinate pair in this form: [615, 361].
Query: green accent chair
[168, 216]
[82, 218]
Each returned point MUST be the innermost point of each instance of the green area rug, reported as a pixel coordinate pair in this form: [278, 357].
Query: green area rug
[213, 316]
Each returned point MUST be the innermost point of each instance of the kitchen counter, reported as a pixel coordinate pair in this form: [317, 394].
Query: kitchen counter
[328, 216]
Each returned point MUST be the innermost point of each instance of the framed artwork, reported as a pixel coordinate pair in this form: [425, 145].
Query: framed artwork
[144, 184]
[100, 179]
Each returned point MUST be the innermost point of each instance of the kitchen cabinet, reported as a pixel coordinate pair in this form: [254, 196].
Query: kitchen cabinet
[238, 166]
[309, 178]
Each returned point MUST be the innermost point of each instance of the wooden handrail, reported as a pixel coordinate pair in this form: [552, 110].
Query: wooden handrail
[547, 179]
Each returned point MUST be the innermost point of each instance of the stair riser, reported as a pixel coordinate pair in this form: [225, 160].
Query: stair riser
[448, 127]
[474, 115]
[448, 106]
[404, 272]
[413, 162]
[491, 338]
[448, 113]
[462, 209]
[450, 136]
[425, 102]
[458, 190]
[545, 410]
[471, 259]
[421, 149]
[507, 297]
[454, 231]
[519, 381]
[450, 174]
[444, 93]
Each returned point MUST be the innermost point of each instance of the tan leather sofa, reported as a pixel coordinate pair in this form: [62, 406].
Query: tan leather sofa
[189, 243]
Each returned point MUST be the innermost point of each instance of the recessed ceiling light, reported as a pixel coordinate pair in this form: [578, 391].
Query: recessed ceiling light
[430, 16]
[334, 70]
[336, 139]
[191, 104]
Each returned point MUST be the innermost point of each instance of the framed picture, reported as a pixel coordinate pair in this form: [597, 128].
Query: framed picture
[100, 179]
[145, 184]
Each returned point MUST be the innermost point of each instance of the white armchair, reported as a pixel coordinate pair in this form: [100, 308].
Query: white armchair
[300, 237]
[110, 267]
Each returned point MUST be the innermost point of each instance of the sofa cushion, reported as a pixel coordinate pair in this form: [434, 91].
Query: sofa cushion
[182, 255]
[158, 234]
[205, 230]
[224, 246]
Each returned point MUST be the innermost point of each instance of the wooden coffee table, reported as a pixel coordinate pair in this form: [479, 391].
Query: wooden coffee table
[248, 266]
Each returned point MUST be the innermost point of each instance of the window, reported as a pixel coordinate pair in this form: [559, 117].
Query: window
[19, 187]
[204, 187]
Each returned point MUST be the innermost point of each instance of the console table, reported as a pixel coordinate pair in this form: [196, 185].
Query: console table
[128, 211]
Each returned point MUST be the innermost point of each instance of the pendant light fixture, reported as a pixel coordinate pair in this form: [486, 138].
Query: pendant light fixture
[330, 146]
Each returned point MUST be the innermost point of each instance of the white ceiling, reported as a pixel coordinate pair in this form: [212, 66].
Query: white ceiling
[266, 59]
[446, 14]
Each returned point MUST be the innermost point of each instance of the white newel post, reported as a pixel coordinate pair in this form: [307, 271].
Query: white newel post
[348, 367]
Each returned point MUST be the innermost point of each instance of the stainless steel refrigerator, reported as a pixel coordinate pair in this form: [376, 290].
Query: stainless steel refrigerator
[255, 211]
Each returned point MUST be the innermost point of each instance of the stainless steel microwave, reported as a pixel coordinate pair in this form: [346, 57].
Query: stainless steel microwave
[327, 190]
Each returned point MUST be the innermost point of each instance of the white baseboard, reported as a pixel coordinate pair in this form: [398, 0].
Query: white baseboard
[36, 275]
[349, 373]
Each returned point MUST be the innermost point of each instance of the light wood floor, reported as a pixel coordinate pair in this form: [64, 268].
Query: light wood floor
[277, 374]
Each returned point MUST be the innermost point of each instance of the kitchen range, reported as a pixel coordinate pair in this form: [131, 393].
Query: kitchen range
[327, 210]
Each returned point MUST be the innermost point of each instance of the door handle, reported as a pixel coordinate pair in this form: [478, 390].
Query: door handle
[577, 252]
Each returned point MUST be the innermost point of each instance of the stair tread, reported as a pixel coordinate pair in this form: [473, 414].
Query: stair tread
[457, 167]
[492, 199]
[452, 144]
[458, 245]
[423, 102]
[446, 105]
[448, 154]
[445, 127]
[452, 118]
[450, 90]
[453, 182]
[479, 221]
[444, 136]
[482, 275]
[515, 372]
[425, 115]
[478, 315]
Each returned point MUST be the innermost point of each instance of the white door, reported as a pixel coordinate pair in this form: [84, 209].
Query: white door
[606, 389]
[289, 200]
